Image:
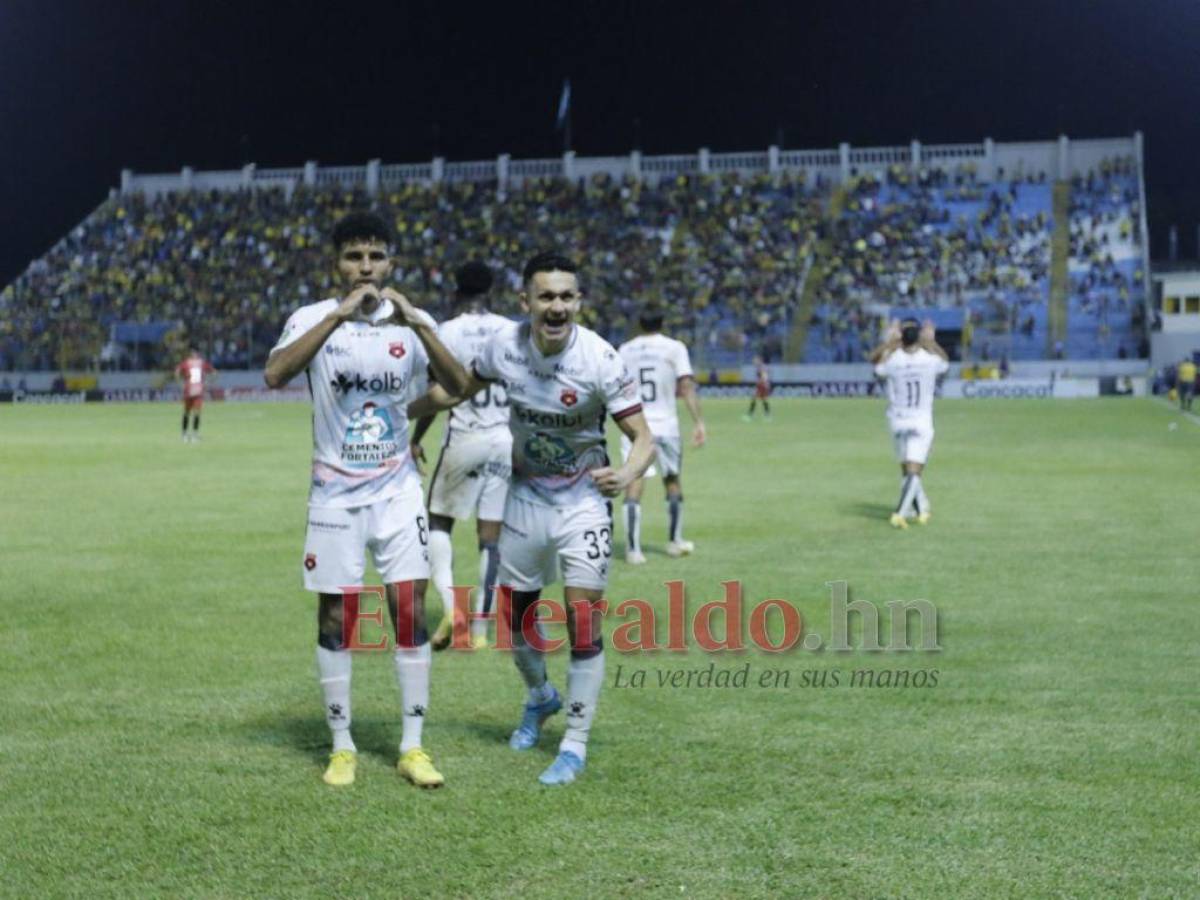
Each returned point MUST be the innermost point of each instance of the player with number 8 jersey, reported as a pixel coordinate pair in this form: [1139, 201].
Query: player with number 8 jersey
[360, 354]
[563, 381]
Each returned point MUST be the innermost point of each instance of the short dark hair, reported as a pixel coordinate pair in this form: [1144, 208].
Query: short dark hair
[473, 278]
[549, 261]
[361, 226]
[910, 331]
[651, 318]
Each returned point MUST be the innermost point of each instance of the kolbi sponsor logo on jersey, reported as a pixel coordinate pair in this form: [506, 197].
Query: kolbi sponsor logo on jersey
[348, 382]
[549, 419]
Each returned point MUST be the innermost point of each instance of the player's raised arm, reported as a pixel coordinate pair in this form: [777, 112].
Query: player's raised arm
[691, 399]
[928, 340]
[892, 340]
[438, 398]
[445, 369]
[288, 361]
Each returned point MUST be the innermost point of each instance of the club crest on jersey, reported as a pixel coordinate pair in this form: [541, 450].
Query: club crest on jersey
[310, 561]
[396, 350]
[569, 398]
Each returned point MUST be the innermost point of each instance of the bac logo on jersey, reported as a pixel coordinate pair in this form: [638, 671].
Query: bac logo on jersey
[310, 561]
[396, 350]
[569, 398]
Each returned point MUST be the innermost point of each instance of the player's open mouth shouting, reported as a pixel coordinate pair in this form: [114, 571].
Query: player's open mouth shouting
[552, 307]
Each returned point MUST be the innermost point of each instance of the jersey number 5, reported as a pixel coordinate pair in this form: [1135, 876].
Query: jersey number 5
[649, 388]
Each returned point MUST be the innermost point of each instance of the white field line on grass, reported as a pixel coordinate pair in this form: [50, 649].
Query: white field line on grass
[1174, 407]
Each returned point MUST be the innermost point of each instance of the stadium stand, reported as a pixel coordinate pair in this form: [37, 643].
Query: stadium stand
[724, 254]
[733, 245]
[936, 239]
[1107, 275]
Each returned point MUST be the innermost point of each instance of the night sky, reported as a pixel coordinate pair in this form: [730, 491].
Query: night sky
[87, 88]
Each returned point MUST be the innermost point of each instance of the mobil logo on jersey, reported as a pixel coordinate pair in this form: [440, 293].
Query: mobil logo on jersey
[383, 383]
[370, 437]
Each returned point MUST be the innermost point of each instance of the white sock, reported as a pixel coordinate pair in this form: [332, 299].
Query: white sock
[633, 526]
[412, 673]
[584, 679]
[441, 565]
[334, 667]
[489, 565]
[908, 494]
[922, 500]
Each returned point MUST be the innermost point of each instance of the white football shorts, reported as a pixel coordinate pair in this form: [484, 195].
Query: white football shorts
[538, 541]
[912, 442]
[395, 531]
[668, 455]
[472, 474]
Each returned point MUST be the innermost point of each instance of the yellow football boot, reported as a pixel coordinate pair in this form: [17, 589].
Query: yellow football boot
[341, 768]
[417, 767]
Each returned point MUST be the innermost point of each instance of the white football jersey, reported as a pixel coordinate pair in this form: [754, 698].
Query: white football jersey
[657, 362]
[911, 381]
[557, 408]
[466, 336]
[359, 382]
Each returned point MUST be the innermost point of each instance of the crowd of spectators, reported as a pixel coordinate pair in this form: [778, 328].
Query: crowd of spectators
[932, 238]
[723, 254]
[1107, 275]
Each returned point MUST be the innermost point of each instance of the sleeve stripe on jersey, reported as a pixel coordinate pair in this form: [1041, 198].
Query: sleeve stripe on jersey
[636, 408]
[475, 373]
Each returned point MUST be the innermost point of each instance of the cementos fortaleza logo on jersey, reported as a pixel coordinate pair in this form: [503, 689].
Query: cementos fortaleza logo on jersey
[370, 439]
[352, 382]
[549, 453]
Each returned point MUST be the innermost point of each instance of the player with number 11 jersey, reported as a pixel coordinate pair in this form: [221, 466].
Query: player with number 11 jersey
[910, 364]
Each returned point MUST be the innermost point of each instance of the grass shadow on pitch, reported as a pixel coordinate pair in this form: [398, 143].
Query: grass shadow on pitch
[873, 511]
[308, 736]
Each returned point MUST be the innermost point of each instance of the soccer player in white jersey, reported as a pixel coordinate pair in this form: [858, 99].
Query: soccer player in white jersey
[562, 380]
[910, 363]
[472, 473]
[663, 369]
[360, 353]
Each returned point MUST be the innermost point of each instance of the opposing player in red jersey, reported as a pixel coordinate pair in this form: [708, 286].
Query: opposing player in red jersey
[762, 390]
[191, 373]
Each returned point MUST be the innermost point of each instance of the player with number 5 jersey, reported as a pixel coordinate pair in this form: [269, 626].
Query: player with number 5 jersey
[664, 371]
[563, 381]
[910, 364]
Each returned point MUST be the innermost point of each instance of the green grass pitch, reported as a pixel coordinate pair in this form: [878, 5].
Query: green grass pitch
[161, 729]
